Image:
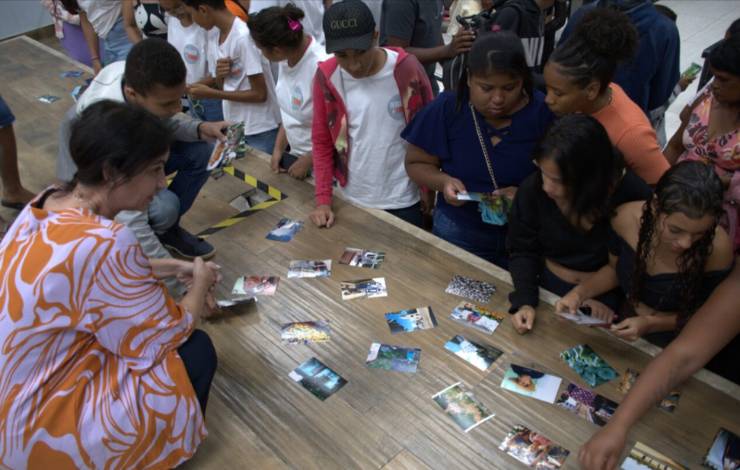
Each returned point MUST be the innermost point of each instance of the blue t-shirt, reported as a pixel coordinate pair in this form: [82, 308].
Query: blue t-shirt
[440, 130]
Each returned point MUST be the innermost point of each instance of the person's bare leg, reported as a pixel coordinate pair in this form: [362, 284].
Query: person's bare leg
[13, 190]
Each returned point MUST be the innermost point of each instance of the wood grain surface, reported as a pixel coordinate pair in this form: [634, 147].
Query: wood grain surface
[259, 418]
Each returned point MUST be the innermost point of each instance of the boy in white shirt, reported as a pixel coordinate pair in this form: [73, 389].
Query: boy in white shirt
[243, 79]
[191, 41]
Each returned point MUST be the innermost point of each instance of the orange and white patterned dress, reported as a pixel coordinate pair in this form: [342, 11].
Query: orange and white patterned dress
[89, 371]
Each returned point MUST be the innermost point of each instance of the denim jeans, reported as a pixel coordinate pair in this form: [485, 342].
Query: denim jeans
[264, 141]
[207, 110]
[116, 44]
[488, 242]
[164, 211]
[190, 160]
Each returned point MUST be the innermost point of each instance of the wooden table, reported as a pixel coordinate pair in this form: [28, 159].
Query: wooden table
[259, 418]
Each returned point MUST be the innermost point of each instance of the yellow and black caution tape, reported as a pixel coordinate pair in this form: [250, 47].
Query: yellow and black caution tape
[273, 192]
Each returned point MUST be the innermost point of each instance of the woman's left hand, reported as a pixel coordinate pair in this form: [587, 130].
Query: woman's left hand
[632, 328]
[184, 273]
[508, 192]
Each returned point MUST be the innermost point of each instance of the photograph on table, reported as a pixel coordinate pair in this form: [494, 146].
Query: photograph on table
[406, 321]
[388, 357]
[724, 454]
[285, 230]
[479, 291]
[588, 365]
[669, 403]
[309, 268]
[476, 354]
[362, 258]
[226, 151]
[475, 316]
[642, 457]
[318, 379]
[588, 405]
[251, 286]
[462, 406]
[531, 383]
[304, 332]
[234, 301]
[369, 288]
[533, 449]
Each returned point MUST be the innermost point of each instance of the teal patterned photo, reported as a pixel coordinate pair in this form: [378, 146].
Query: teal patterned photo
[589, 365]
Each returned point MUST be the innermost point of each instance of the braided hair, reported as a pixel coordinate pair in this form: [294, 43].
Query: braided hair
[694, 189]
[603, 38]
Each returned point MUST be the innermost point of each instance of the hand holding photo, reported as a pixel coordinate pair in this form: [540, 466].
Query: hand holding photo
[309, 268]
[583, 317]
[225, 152]
[305, 332]
[285, 230]
[725, 451]
[478, 355]
[479, 291]
[590, 366]
[406, 321]
[387, 357]
[533, 449]
[362, 258]
[587, 404]
[369, 288]
[642, 457]
[250, 286]
[318, 379]
[480, 318]
[531, 383]
[462, 406]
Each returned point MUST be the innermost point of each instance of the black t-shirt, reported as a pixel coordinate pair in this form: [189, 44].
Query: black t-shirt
[524, 18]
[539, 230]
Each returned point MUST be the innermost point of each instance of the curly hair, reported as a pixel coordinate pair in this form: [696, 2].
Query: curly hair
[694, 189]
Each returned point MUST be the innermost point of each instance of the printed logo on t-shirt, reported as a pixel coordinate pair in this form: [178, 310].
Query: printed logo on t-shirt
[191, 54]
[395, 108]
[296, 98]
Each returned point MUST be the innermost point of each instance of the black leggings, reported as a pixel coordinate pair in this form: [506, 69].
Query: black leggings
[199, 357]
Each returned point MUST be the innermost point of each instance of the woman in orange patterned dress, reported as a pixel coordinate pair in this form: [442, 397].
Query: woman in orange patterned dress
[99, 366]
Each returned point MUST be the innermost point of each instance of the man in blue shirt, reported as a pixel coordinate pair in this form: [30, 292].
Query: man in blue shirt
[649, 78]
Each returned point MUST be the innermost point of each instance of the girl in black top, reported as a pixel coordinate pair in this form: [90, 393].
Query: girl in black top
[667, 254]
[559, 222]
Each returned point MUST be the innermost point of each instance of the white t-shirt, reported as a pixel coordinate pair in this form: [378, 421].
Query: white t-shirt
[313, 17]
[377, 177]
[101, 14]
[295, 97]
[192, 44]
[246, 60]
[257, 5]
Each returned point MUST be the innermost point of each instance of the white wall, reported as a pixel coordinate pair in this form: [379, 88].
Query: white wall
[20, 16]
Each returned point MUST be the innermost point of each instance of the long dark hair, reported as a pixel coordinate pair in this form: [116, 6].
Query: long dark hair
[590, 166]
[116, 141]
[501, 52]
[694, 189]
[603, 38]
[726, 56]
[270, 27]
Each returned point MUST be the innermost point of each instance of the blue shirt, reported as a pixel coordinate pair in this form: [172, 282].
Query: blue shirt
[440, 130]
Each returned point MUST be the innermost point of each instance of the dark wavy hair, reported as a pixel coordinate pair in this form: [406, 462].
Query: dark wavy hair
[501, 52]
[590, 166]
[115, 140]
[269, 28]
[602, 39]
[694, 189]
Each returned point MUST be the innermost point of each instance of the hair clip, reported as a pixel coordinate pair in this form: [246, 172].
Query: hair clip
[294, 25]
